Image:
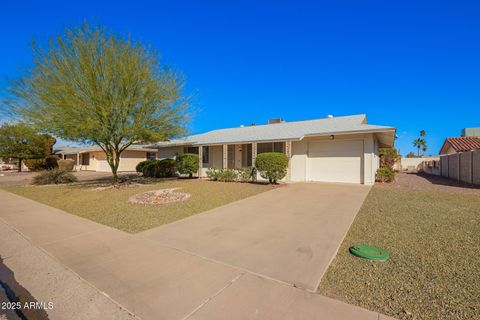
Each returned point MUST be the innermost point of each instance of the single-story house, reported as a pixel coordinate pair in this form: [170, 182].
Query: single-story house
[460, 144]
[93, 158]
[331, 149]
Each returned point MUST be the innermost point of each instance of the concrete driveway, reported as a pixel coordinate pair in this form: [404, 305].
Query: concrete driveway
[289, 234]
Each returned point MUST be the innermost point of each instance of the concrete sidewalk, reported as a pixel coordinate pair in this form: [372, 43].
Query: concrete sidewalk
[52, 253]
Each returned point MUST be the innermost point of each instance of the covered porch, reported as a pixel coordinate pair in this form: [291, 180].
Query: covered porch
[234, 156]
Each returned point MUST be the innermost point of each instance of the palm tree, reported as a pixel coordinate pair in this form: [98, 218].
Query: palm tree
[420, 143]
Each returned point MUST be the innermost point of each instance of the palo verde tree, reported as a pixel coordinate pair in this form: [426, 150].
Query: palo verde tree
[93, 86]
[21, 142]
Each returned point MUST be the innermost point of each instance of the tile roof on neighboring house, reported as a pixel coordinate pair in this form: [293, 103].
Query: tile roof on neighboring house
[296, 130]
[461, 144]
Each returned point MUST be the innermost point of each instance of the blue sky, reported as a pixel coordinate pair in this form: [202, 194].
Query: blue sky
[409, 64]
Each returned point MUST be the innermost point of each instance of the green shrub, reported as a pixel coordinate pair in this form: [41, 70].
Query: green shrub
[139, 167]
[47, 163]
[66, 164]
[213, 174]
[385, 174]
[54, 177]
[244, 174]
[149, 168]
[187, 163]
[272, 166]
[230, 175]
[388, 157]
[227, 175]
[51, 162]
[166, 168]
[35, 164]
[157, 168]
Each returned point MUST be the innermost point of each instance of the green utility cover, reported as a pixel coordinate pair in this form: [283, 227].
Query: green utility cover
[369, 252]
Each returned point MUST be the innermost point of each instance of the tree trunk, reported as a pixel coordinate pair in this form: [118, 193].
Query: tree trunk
[113, 161]
[19, 165]
[115, 179]
[115, 164]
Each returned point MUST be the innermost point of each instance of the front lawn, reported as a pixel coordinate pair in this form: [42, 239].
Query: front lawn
[434, 270]
[110, 207]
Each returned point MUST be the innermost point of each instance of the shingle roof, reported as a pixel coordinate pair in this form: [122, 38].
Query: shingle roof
[280, 131]
[462, 144]
[75, 150]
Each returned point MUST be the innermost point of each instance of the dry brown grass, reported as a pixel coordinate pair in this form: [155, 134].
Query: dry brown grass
[434, 270]
[111, 207]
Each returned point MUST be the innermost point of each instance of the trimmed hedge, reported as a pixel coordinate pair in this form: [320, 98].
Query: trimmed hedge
[139, 167]
[48, 163]
[230, 175]
[157, 168]
[54, 177]
[51, 162]
[35, 164]
[272, 166]
[187, 163]
[66, 164]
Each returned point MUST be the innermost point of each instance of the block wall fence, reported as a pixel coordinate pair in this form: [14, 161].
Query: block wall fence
[463, 166]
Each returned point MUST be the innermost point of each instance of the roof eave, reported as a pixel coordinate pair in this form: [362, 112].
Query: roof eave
[389, 132]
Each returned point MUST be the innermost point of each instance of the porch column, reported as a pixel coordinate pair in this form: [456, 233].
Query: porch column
[254, 158]
[200, 160]
[78, 162]
[225, 156]
[288, 153]
[288, 149]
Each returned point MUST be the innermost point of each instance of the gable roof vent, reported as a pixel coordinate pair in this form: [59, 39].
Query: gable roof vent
[275, 120]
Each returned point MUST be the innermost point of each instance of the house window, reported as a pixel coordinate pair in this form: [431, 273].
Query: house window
[151, 155]
[270, 147]
[205, 157]
[190, 150]
[85, 159]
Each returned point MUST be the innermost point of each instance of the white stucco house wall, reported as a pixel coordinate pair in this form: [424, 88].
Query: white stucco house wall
[332, 149]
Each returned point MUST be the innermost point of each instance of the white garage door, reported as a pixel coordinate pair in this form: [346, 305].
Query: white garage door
[335, 161]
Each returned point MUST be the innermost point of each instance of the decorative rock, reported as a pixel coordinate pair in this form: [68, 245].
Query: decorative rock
[161, 196]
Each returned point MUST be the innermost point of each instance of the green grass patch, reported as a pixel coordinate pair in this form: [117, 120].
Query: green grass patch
[434, 270]
[110, 207]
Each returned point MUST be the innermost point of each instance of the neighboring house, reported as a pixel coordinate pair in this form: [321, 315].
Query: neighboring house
[460, 144]
[460, 157]
[92, 158]
[332, 149]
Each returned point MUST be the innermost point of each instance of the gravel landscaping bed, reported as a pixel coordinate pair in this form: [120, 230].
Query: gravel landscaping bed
[434, 270]
[159, 197]
[420, 181]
